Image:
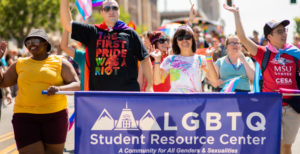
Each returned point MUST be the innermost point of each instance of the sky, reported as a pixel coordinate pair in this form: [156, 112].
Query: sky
[254, 13]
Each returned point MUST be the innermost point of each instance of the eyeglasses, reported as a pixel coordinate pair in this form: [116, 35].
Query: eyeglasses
[281, 31]
[163, 40]
[108, 8]
[234, 43]
[185, 37]
[35, 41]
[198, 32]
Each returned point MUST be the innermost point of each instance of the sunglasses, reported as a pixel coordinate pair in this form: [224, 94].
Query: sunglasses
[234, 43]
[108, 8]
[163, 40]
[34, 41]
[185, 37]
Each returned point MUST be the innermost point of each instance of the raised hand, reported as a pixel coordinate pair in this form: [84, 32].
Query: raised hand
[210, 51]
[155, 53]
[193, 14]
[3, 46]
[232, 8]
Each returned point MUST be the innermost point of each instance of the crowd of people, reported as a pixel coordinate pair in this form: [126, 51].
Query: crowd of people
[118, 59]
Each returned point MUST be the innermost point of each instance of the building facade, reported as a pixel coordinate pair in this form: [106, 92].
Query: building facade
[142, 12]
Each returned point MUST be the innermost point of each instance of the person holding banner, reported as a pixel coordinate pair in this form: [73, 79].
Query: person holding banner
[40, 122]
[113, 49]
[280, 71]
[235, 64]
[186, 69]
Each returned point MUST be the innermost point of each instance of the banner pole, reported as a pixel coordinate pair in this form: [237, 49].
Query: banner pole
[73, 92]
[45, 92]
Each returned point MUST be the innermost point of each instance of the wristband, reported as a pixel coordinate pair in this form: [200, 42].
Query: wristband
[209, 59]
[156, 62]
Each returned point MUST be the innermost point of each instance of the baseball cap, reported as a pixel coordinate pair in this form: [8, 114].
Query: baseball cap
[41, 34]
[269, 26]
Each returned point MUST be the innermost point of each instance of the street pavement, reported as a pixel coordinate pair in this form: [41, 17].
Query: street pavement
[8, 146]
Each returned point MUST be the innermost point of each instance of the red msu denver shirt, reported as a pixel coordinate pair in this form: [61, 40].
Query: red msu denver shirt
[280, 72]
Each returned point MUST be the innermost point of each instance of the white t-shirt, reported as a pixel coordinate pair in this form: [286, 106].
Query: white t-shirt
[186, 73]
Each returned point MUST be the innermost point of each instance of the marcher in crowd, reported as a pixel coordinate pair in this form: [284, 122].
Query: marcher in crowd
[113, 50]
[235, 64]
[198, 34]
[160, 42]
[186, 69]
[275, 76]
[5, 93]
[40, 121]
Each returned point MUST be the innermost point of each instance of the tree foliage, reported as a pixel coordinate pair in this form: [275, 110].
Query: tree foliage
[19, 17]
[97, 18]
[297, 21]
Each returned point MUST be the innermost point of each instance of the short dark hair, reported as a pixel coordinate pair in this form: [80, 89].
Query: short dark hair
[175, 47]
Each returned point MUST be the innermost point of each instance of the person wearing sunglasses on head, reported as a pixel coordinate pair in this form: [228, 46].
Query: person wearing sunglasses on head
[235, 64]
[40, 121]
[113, 50]
[278, 61]
[160, 42]
[186, 69]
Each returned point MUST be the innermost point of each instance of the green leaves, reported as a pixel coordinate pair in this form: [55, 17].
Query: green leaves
[297, 21]
[18, 17]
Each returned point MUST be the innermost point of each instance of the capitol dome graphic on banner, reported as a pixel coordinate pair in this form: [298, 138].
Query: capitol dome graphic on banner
[126, 121]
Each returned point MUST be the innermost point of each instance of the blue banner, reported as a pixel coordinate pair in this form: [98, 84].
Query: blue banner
[119, 123]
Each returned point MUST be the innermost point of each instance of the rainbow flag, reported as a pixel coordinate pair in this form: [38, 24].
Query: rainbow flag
[169, 28]
[231, 85]
[97, 2]
[84, 7]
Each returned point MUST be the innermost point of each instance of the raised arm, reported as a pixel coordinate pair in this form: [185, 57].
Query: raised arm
[212, 74]
[158, 73]
[65, 45]
[65, 15]
[192, 15]
[9, 77]
[248, 65]
[247, 42]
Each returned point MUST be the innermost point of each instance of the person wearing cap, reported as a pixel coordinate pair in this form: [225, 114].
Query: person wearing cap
[40, 121]
[280, 71]
[113, 50]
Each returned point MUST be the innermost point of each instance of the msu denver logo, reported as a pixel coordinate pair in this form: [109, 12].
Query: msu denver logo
[281, 61]
[126, 121]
